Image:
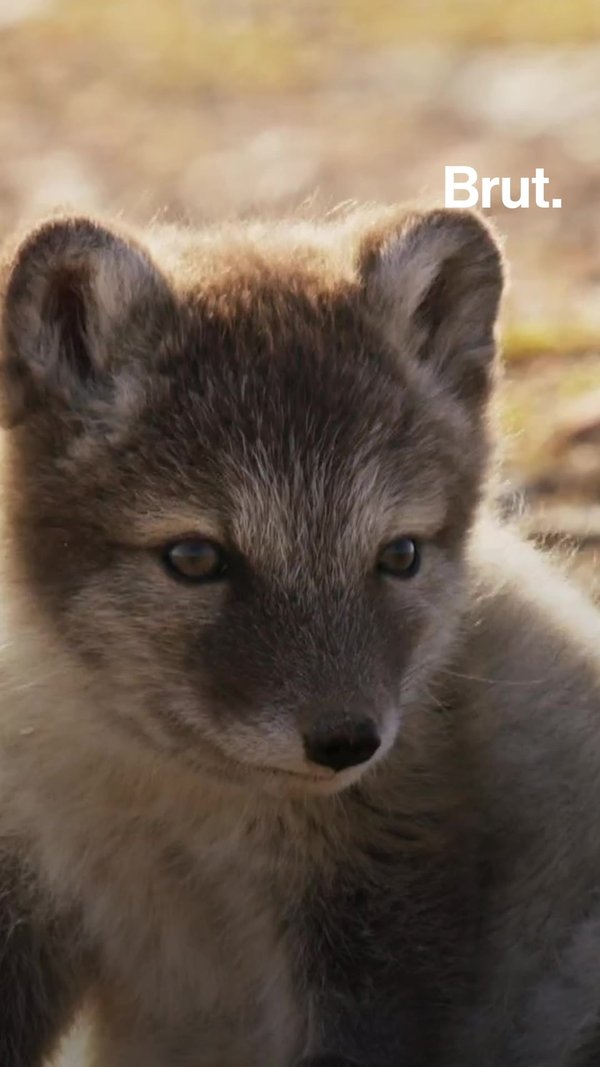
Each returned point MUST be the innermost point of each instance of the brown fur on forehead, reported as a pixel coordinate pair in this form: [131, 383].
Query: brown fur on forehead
[226, 254]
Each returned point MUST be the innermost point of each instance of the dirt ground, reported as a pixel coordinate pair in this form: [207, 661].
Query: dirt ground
[191, 109]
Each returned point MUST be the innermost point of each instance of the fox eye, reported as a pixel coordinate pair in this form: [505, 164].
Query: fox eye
[400, 558]
[195, 559]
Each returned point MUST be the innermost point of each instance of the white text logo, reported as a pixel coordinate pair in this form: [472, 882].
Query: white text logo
[461, 189]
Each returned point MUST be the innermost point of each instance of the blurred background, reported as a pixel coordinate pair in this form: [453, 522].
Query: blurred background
[191, 109]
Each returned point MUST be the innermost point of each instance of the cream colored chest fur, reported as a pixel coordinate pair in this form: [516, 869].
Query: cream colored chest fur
[190, 948]
[175, 891]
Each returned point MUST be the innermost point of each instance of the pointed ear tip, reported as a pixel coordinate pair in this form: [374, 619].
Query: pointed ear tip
[402, 224]
[456, 220]
[51, 241]
[72, 243]
[476, 229]
[61, 234]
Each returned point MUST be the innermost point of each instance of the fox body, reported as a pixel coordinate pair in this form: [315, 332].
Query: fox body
[299, 749]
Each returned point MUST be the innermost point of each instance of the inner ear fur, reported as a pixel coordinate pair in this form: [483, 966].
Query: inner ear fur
[434, 281]
[66, 289]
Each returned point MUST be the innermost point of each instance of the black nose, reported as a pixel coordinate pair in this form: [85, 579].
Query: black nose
[343, 747]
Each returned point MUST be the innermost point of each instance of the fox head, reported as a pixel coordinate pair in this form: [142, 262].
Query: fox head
[241, 470]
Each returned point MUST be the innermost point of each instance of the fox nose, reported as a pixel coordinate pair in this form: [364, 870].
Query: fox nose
[343, 747]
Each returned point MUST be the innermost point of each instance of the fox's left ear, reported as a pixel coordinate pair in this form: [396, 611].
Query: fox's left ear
[433, 282]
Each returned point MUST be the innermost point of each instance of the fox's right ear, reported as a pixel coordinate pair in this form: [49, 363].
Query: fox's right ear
[71, 289]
